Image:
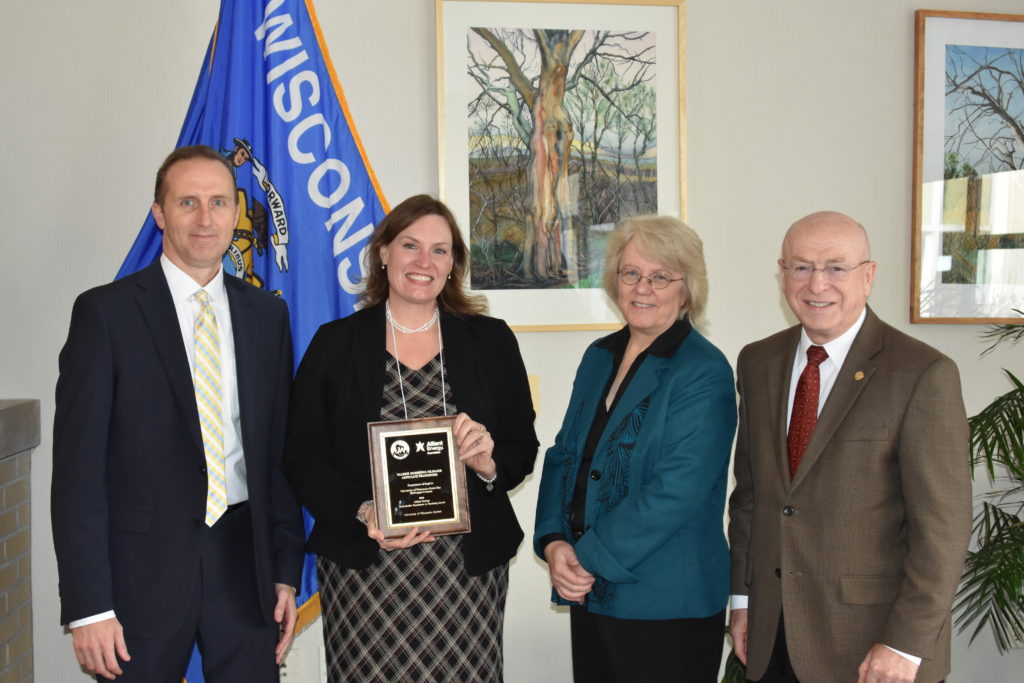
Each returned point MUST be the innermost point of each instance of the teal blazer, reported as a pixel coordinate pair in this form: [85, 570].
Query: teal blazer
[654, 536]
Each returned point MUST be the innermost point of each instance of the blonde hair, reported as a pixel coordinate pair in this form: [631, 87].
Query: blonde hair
[672, 243]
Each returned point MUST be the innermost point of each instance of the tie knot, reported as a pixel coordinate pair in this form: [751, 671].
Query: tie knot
[203, 297]
[816, 354]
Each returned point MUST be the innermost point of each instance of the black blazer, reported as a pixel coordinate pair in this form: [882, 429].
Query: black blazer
[129, 485]
[339, 388]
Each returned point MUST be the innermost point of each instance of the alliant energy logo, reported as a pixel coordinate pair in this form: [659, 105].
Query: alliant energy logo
[430, 447]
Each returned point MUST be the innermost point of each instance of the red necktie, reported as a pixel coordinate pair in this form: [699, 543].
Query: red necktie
[805, 408]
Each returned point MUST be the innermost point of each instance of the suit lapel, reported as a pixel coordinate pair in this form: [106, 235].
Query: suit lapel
[245, 332]
[459, 363]
[855, 374]
[154, 300]
[370, 350]
[643, 383]
[777, 386]
[597, 374]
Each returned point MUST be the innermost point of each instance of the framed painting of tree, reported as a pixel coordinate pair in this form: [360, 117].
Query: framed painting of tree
[967, 254]
[557, 120]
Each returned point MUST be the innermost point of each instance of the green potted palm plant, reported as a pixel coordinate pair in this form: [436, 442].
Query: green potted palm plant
[991, 595]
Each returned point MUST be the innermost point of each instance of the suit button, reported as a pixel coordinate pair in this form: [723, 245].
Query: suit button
[788, 510]
[595, 475]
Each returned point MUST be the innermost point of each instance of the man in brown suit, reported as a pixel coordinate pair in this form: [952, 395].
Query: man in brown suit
[852, 509]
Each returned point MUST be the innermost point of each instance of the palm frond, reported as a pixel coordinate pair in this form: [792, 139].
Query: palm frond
[992, 592]
[735, 672]
[997, 437]
[997, 334]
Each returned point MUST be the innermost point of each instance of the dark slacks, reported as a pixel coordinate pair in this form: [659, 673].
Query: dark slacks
[223, 617]
[610, 650]
[780, 669]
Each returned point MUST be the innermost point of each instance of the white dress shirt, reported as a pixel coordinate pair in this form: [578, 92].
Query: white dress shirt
[183, 287]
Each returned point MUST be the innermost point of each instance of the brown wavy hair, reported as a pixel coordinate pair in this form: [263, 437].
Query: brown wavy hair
[453, 298]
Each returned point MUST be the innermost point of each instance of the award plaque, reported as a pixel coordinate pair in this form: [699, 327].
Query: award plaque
[418, 479]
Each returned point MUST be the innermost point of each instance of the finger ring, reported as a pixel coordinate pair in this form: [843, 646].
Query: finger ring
[481, 428]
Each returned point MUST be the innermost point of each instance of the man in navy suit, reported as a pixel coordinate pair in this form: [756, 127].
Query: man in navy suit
[173, 523]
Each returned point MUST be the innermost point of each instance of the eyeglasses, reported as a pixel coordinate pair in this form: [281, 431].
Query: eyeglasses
[657, 279]
[832, 273]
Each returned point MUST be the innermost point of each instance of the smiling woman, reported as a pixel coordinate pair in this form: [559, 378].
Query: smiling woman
[418, 348]
[634, 487]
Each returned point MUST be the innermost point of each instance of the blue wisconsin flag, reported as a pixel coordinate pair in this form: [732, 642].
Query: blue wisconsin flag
[268, 98]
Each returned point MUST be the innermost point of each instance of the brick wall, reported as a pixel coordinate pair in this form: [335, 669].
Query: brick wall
[19, 433]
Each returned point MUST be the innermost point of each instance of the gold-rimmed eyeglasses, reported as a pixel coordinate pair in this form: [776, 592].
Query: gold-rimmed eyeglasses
[832, 272]
[658, 279]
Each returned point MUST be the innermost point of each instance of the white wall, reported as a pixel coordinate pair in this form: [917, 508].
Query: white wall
[793, 106]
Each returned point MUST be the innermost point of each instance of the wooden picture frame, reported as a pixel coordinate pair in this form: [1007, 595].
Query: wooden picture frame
[967, 248]
[540, 159]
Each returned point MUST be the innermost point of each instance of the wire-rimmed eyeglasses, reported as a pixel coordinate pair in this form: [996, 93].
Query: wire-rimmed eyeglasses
[832, 272]
[658, 279]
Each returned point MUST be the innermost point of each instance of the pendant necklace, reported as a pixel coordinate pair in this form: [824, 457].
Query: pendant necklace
[398, 365]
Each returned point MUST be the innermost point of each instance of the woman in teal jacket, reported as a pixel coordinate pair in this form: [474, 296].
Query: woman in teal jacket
[629, 514]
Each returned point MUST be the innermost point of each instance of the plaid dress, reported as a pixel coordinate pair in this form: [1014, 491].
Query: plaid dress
[415, 615]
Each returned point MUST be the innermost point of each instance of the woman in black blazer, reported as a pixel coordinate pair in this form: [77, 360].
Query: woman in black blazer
[426, 608]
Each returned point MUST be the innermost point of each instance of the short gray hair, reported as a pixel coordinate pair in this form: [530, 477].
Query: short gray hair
[674, 244]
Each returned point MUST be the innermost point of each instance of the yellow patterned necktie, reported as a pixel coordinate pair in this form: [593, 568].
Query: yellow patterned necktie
[206, 379]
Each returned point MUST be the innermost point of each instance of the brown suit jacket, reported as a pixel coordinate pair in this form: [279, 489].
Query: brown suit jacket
[867, 542]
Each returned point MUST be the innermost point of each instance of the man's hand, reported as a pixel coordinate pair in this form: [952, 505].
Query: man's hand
[99, 645]
[285, 614]
[738, 629]
[882, 665]
[570, 579]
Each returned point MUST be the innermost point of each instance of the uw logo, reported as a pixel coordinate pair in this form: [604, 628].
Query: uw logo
[255, 220]
[399, 450]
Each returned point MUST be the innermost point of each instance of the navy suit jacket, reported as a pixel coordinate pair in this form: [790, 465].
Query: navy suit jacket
[129, 484]
[654, 537]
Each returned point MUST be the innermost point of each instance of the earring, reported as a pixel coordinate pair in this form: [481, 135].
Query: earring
[383, 266]
[449, 275]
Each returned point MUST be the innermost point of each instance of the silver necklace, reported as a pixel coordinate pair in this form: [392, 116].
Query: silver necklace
[409, 330]
[398, 364]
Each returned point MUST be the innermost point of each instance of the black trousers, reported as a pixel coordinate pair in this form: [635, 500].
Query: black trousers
[780, 669]
[223, 617]
[610, 650]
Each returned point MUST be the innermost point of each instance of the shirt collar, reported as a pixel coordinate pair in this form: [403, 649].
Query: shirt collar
[838, 348]
[663, 347]
[182, 285]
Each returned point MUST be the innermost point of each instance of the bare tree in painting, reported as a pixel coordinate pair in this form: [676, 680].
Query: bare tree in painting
[523, 78]
[616, 120]
[985, 107]
[984, 135]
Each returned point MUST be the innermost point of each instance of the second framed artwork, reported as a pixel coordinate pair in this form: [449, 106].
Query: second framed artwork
[968, 205]
[556, 121]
